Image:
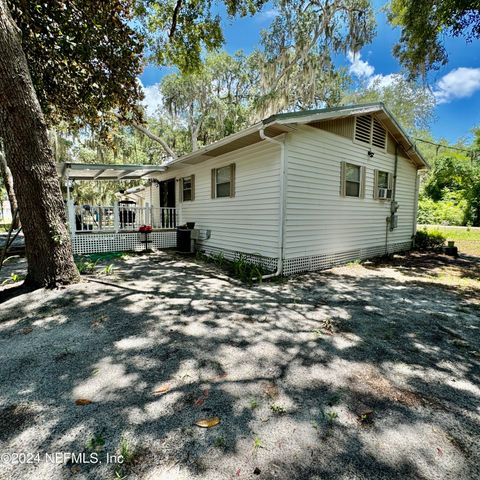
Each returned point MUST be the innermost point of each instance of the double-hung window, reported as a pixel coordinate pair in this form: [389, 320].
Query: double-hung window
[223, 181]
[352, 180]
[188, 188]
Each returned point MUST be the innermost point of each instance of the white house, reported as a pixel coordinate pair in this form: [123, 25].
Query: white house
[300, 191]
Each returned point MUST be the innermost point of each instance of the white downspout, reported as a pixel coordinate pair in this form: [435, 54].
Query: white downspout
[281, 230]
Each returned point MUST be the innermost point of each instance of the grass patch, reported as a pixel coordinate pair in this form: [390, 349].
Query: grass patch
[467, 239]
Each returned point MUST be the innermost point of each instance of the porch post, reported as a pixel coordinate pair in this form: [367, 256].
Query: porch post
[116, 218]
[71, 217]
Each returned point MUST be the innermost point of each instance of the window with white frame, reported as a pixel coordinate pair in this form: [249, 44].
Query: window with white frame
[223, 181]
[382, 187]
[352, 181]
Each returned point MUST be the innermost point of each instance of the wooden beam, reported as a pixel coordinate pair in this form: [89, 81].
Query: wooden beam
[99, 173]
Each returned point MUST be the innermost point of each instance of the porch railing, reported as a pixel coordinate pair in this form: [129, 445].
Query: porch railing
[100, 218]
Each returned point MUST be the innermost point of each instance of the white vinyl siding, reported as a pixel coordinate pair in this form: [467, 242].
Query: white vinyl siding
[318, 220]
[249, 221]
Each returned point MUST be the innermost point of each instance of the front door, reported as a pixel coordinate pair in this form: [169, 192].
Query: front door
[167, 203]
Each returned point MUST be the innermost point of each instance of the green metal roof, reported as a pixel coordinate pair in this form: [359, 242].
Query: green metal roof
[307, 113]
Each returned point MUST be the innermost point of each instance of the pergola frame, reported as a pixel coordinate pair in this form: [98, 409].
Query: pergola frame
[104, 171]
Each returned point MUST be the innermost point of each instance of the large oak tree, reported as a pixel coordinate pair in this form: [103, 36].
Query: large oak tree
[78, 61]
[23, 127]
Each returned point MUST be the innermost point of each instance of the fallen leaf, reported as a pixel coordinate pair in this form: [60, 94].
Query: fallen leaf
[161, 390]
[27, 330]
[238, 472]
[440, 451]
[207, 422]
[271, 390]
[199, 401]
[83, 401]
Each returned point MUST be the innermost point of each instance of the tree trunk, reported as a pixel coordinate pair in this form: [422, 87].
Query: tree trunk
[30, 158]
[8, 181]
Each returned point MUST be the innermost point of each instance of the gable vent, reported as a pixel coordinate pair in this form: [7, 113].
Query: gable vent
[379, 135]
[370, 131]
[363, 127]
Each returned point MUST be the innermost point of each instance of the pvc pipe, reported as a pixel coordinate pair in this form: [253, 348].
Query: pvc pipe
[281, 236]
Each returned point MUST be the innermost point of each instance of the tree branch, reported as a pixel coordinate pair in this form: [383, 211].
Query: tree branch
[155, 138]
[174, 18]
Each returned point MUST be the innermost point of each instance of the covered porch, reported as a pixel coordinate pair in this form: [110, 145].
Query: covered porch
[122, 216]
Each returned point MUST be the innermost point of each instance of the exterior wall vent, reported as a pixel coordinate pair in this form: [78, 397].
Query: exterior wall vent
[379, 135]
[370, 131]
[363, 129]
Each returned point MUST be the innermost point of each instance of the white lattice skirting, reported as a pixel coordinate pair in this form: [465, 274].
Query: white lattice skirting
[120, 242]
[321, 262]
[310, 263]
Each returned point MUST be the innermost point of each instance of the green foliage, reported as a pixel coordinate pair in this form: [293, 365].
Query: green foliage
[431, 240]
[126, 451]
[86, 266]
[424, 27]
[212, 101]
[105, 257]
[247, 271]
[178, 31]
[96, 443]
[107, 270]
[218, 259]
[450, 190]
[241, 267]
[13, 278]
[331, 416]
[450, 211]
[220, 442]
[277, 409]
[84, 58]
[257, 443]
[412, 104]
[296, 68]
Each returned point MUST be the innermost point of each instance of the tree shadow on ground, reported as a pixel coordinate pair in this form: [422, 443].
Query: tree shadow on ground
[327, 375]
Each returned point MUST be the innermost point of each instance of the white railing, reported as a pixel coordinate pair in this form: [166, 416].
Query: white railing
[100, 218]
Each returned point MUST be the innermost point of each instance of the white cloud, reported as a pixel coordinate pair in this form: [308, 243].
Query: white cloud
[363, 70]
[267, 15]
[153, 98]
[459, 83]
[359, 67]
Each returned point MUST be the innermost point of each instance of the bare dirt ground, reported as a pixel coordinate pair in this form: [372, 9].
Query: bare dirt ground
[360, 372]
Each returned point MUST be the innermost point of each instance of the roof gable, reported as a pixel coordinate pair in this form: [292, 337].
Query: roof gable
[284, 122]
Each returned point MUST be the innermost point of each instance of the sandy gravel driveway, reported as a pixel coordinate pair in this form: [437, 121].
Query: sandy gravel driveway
[361, 372]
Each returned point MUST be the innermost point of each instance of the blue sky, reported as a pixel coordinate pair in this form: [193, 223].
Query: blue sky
[457, 85]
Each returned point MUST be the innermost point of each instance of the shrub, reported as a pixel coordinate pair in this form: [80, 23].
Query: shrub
[451, 210]
[432, 240]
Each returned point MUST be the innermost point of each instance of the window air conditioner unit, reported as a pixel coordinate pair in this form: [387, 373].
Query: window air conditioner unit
[384, 193]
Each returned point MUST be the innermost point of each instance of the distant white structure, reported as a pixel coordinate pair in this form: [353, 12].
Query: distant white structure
[5, 212]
